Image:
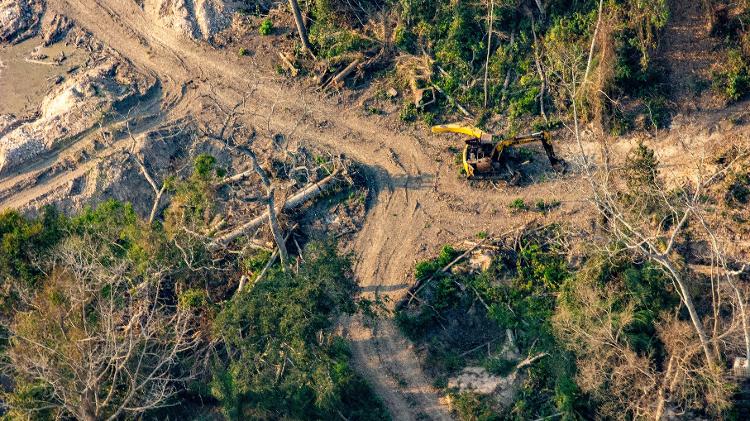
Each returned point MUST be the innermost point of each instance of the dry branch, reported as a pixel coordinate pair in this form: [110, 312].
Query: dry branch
[308, 193]
[336, 80]
[288, 64]
[235, 178]
[453, 101]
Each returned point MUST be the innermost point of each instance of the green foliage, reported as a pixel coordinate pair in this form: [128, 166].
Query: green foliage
[22, 239]
[543, 206]
[204, 166]
[738, 193]
[644, 192]
[519, 290]
[408, 112]
[26, 399]
[193, 298]
[194, 202]
[732, 80]
[331, 41]
[256, 260]
[500, 366]
[266, 27]
[614, 302]
[426, 268]
[657, 112]
[95, 265]
[641, 169]
[287, 321]
[471, 406]
[518, 204]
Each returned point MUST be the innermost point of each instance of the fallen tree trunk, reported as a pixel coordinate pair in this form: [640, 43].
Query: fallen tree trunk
[339, 78]
[235, 178]
[298, 199]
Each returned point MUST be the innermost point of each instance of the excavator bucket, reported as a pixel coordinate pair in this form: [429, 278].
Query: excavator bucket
[557, 163]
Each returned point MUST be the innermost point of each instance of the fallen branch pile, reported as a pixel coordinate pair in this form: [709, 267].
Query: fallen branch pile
[298, 199]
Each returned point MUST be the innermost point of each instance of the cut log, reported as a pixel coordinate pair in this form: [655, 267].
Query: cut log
[298, 199]
[343, 74]
[235, 178]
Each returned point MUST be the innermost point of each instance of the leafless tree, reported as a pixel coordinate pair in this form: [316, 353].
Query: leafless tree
[273, 220]
[102, 342]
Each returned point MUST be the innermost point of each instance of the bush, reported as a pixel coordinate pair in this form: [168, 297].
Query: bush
[289, 317]
[266, 27]
[543, 206]
[732, 80]
[408, 113]
[517, 292]
[738, 193]
[518, 205]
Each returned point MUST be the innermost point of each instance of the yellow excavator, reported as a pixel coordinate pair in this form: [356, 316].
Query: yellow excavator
[483, 153]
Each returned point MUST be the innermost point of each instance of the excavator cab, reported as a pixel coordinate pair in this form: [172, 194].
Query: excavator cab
[483, 154]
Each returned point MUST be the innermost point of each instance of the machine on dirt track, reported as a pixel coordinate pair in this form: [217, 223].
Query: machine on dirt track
[483, 152]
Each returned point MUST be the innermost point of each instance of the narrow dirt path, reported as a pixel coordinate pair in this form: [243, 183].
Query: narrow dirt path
[418, 202]
[688, 51]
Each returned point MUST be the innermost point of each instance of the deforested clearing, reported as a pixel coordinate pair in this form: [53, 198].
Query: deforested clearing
[372, 210]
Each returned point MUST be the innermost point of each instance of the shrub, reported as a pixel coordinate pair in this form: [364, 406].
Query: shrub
[408, 113]
[193, 299]
[266, 27]
[732, 80]
[738, 193]
[657, 112]
[204, 164]
[287, 320]
[518, 205]
[543, 206]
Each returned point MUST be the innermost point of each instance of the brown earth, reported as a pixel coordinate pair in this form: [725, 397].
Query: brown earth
[417, 200]
[690, 54]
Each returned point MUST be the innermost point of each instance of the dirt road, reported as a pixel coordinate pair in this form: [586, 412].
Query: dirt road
[418, 201]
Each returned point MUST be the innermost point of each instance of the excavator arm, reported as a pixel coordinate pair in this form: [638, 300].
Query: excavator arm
[544, 137]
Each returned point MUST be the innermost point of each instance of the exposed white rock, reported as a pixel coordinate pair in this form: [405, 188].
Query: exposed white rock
[72, 108]
[19, 18]
[197, 19]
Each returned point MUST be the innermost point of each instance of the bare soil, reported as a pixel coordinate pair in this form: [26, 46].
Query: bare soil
[690, 53]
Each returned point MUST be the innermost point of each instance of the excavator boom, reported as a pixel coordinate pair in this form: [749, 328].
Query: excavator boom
[471, 131]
